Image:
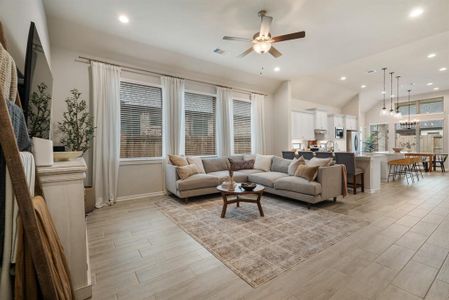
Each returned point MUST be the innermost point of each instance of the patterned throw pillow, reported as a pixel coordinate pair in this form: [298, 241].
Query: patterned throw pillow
[186, 171]
[241, 164]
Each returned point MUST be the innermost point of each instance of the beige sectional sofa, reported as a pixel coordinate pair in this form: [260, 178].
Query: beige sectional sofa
[328, 184]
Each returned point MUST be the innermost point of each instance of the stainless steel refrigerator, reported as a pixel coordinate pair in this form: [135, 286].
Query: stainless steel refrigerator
[353, 142]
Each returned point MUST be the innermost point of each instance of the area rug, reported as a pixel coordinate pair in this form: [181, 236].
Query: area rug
[260, 248]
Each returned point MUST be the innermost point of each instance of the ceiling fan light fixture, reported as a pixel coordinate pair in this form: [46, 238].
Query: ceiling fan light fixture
[262, 47]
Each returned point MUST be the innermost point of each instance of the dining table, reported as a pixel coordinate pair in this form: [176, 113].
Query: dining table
[423, 154]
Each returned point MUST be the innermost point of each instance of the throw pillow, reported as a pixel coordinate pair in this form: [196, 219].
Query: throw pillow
[307, 172]
[249, 156]
[215, 164]
[186, 171]
[178, 160]
[196, 160]
[294, 165]
[280, 164]
[263, 162]
[320, 162]
[241, 164]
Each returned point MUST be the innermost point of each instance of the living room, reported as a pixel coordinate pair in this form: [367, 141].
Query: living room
[239, 150]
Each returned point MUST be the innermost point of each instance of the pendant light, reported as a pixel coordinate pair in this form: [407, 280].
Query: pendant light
[398, 113]
[391, 94]
[384, 109]
[409, 124]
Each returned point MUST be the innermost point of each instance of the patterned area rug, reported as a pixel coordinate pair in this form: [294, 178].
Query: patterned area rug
[260, 248]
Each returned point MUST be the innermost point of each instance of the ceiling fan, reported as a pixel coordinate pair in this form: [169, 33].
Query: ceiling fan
[262, 40]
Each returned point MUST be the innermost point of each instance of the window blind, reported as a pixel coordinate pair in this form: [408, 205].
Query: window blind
[242, 126]
[141, 120]
[200, 117]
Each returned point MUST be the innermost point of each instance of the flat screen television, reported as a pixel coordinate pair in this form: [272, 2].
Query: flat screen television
[36, 87]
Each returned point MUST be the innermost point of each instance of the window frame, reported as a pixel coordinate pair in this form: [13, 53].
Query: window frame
[144, 160]
[215, 96]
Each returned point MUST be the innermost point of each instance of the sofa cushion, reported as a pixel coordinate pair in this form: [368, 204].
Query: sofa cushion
[298, 185]
[223, 175]
[249, 156]
[197, 181]
[279, 164]
[185, 172]
[241, 164]
[196, 160]
[266, 178]
[250, 171]
[178, 160]
[263, 162]
[320, 162]
[307, 172]
[236, 157]
[294, 165]
[215, 164]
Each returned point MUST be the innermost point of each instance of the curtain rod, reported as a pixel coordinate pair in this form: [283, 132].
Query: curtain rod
[87, 60]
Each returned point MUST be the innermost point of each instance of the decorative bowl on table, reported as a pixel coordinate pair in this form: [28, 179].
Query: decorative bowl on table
[247, 186]
[397, 150]
[66, 156]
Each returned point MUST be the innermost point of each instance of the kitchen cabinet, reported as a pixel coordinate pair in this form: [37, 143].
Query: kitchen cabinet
[302, 126]
[334, 121]
[320, 120]
[350, 122]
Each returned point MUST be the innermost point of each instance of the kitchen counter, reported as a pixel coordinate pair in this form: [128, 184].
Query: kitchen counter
[370, 163]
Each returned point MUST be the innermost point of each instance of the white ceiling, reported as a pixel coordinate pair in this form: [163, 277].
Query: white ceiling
[343, 37]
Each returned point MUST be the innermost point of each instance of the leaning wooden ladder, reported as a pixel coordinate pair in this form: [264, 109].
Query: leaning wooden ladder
[8, 143]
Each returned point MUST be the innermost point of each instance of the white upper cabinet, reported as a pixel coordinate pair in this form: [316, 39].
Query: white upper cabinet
[320, 120]
[303, 126]
[350, 122]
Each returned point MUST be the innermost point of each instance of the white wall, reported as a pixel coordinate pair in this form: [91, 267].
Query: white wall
[298, 105]
[16, 17]
[137, 178]
[282, 118]
[373, 116]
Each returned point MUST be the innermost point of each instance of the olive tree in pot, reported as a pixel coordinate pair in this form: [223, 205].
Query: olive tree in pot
[77, 130]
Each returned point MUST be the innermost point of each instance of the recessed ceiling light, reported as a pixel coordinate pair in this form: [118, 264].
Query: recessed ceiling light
[431, 55]
[343, 78]
[277, 69]
[430, 83]
[123, 19]
[363, 86]
[443, 69]
[436, 88]
[416, 12]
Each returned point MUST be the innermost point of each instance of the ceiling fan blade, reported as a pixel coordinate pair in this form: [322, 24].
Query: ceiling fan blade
[265, 26]
[233, 38]
[248, 51]
[273, 51]
[290, 36]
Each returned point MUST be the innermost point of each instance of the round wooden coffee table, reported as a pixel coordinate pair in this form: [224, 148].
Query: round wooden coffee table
[238, 191]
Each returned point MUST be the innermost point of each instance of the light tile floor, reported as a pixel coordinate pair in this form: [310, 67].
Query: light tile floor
[138, 253]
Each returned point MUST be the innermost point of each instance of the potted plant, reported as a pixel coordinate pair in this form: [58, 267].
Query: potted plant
[39, 114]
[77, 130]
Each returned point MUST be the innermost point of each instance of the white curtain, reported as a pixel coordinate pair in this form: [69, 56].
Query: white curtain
[224, 122]
[106, 155]
[173, 107]
[257, 124]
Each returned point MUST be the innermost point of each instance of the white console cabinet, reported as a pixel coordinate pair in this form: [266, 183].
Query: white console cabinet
[63, 187]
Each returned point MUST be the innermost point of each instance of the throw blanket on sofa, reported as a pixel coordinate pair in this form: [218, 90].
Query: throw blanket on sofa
[344, 181]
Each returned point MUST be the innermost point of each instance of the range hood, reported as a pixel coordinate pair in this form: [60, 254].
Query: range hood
[320, 131]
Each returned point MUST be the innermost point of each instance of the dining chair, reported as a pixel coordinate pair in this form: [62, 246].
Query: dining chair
[439, 161]
[306, 154]
[348, 159]
[288, 154]
[324, 154]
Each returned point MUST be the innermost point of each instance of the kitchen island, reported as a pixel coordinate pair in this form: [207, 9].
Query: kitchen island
[375, 166]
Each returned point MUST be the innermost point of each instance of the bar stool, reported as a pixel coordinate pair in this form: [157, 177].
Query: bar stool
[348, 159]
[323, 154]
[288, 154]
[399, 167]
[306, 154]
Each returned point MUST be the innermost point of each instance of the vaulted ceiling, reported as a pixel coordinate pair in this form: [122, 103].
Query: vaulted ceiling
[344, 38]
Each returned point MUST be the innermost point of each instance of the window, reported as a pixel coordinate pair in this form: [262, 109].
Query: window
[200, 124]
[242, 126]
[431, 106]
[141, 120]
[403, 108]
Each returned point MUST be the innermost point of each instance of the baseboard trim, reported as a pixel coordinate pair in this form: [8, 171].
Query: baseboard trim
[140, 196]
